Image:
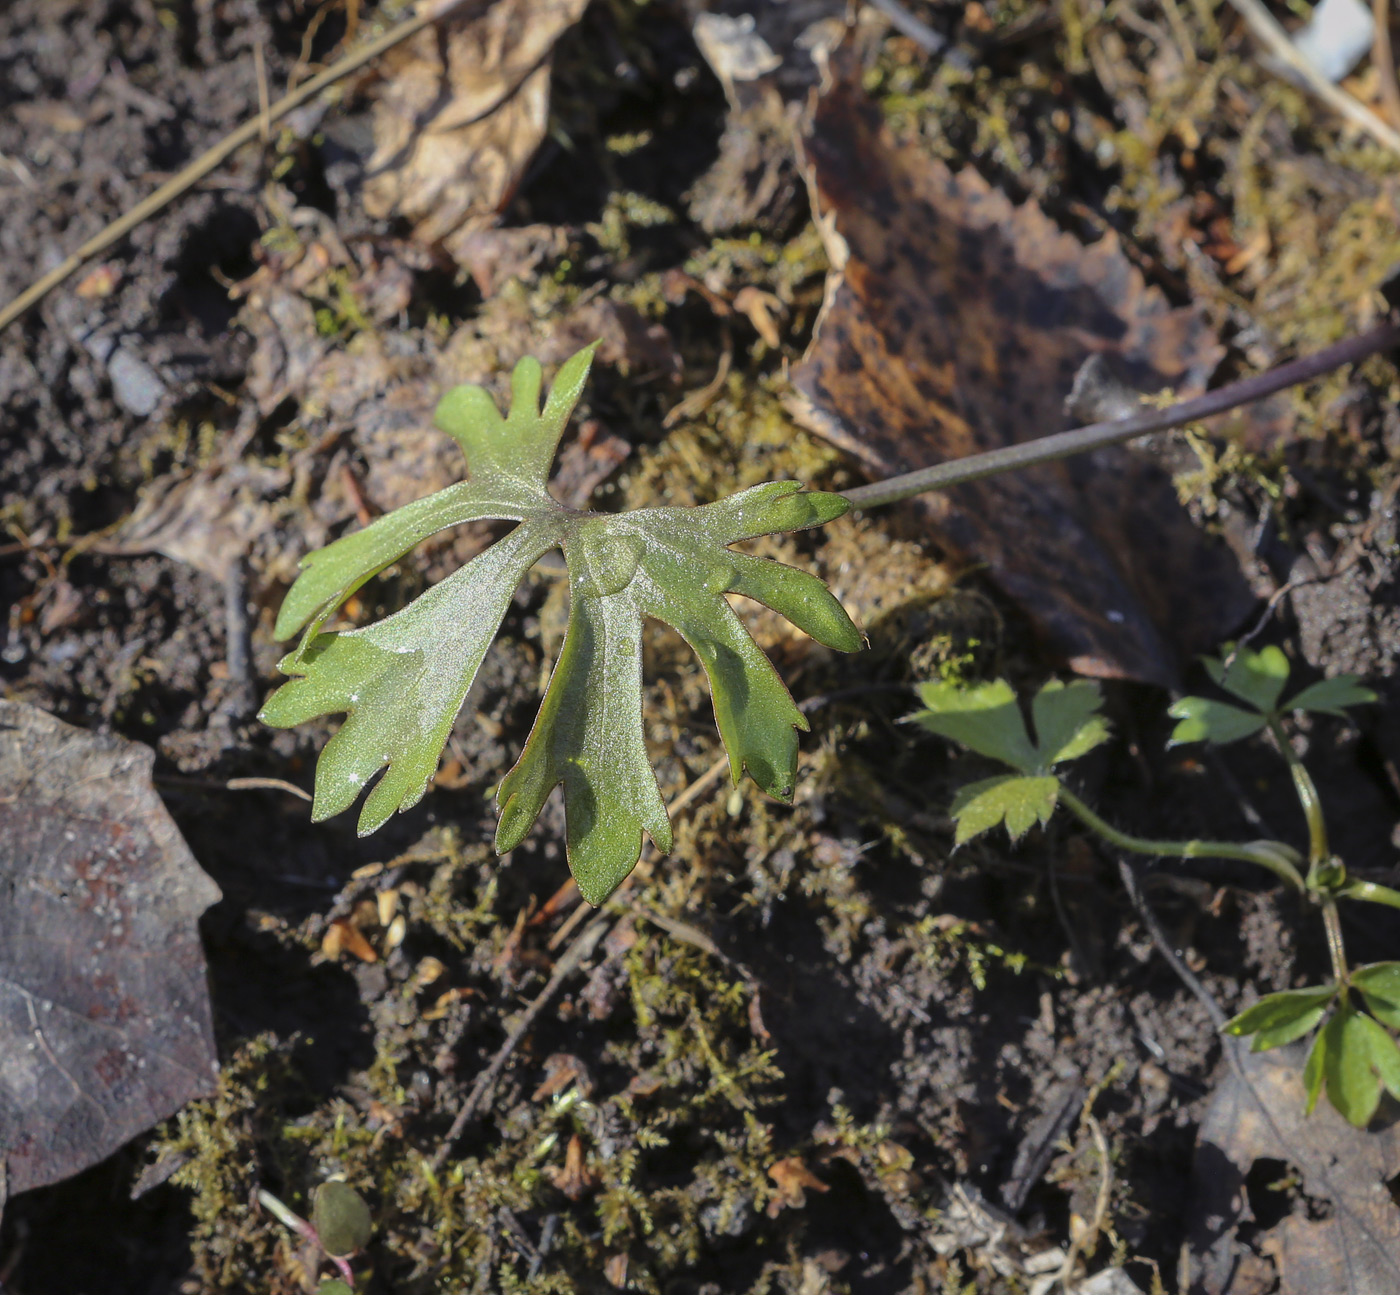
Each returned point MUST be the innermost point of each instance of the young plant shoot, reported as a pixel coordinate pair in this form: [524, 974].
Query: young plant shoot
[402, 681]
[1353, 1054]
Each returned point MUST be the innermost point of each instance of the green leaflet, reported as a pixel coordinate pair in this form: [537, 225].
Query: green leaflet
[987, 718]
[1281, 1018]
[402, 681]
[1020, 803]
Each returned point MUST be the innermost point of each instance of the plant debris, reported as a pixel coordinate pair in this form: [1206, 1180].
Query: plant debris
[105, 1023]
[956, 322]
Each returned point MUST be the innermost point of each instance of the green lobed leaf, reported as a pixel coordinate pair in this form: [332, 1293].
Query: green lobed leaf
[341, 1219]
[1332, 696]
[1315, 1065]
[1255, 677]
[1067, 721]
[1382, 1052]
[402, 681]
[1281, 1018]
[985, 718]
[1019, 802]
[1379, 984]
[1203, 720]
[1352, 1084]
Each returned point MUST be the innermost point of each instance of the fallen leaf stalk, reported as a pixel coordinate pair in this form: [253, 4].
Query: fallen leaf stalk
[1095, 436]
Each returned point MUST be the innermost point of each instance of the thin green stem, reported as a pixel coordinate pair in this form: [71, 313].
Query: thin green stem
[1095, 436]
[1336, 949]
[1318, 851]
[1267, 854]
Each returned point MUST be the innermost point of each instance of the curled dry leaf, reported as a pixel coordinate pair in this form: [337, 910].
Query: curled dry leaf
[461, 111]
[955, 323]
[105, 1025]
[793, 1180]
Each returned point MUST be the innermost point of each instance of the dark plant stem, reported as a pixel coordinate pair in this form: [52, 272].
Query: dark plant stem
[1095, 436]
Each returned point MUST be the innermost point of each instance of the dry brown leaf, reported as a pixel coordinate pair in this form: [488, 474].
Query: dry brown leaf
[341, 937]
[957, 324]
[794, 1180]
[574, 1178]
[459, 115]
[1344, 1238]
[105, 1024]
[208, 519]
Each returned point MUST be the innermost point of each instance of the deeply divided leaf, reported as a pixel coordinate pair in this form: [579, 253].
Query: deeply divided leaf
[1204, 720]
[1020, 803]
[402, 681]
[1067, 720]
[985, 718]
[1332, 696]
[1253, 677]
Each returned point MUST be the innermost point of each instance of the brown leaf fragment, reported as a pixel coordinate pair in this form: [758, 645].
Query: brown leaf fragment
[956, 323]
[208, 519]
[562, 1069]
[458, 117]
[341, 937]
[494, 256]
[793, 1180]
[105, 1024]
[573, 1178]
[1343, 1237]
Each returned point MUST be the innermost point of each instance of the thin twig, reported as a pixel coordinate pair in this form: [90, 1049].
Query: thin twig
[1267, 28]
[1132, 883]
[915, 28]
[215, 156]
[1097, 435]
[1384, 58]
[266, 784]
[569, 962]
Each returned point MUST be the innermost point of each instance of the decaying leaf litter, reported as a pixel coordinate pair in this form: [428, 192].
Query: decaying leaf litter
[906, 1025]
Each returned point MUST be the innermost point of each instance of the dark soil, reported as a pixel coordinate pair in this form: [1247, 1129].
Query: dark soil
[921, 1027]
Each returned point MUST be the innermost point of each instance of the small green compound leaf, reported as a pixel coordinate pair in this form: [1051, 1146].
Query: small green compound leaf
[1018, 802]
[1067, 720]
[1379, 984]
[341, 1219]
[1352, 1084]
[1277, 1019]
[1254, 677]
[1332, 696]
[1203, 720]
[985, 718]
[402, 681]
